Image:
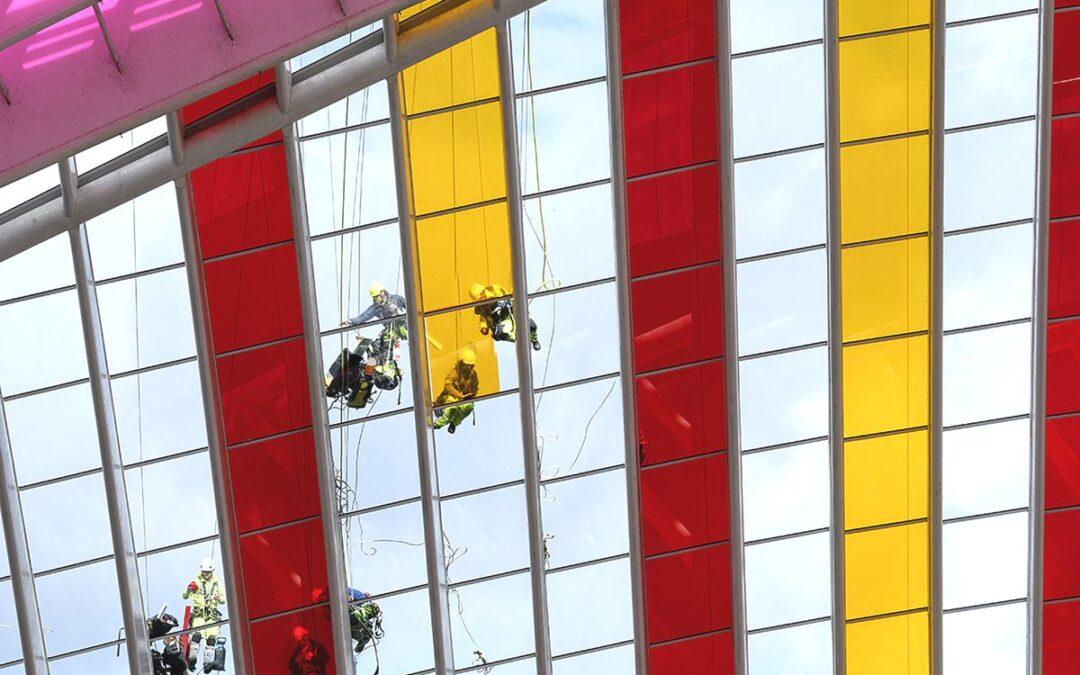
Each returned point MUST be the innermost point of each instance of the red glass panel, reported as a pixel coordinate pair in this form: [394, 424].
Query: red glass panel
[688, 593]
[1065, 167]
[677, 318]
[253, 298]
[1064, 268]
[285, 644]
[274, 481]
[670, 119]
[1061, 550]
[284, 568]
[1062, 462]
[681, 413]
[673, 220]
[1061, 638]
[1066, 94]
[708, 655]
[1063, 367]
[242, 201]
[1065, 3]
[684, 504]
[655, 34]
[264, 391]
[224, 97]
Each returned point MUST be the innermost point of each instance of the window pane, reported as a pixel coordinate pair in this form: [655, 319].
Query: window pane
[886, 386]
[594, 605]
[779, 100]
[785, 491]
[49, 512]
[494, 618]
[804, 649]
[558, 42]
[886, 570]
[146, 321]
[37, 352]
[784, 398]
[997, 548]
[579, 334]
[559, 228]
[989, 175]
[986, 468]
[884, 189]
[487, 532]
[585, 519]
[564, 137]
[877, 646]
[578, 428]
[137, 236]
[384, 549]
[988, 276]
[42, 268]
[780, 203]
[987, 374]
[71, 444]
[885, 85]
[991, 70]
[83, 619]
[788, 580]
[159, 412]
[886, 479]
[782, 302]
[759, 24]
[987, 640]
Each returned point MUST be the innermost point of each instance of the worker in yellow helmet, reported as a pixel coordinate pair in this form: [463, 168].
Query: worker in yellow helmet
[207, 596]
[461, 384]
[385, 306]
[497, 317]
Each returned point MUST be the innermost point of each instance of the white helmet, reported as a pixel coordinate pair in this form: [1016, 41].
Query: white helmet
[207, 565]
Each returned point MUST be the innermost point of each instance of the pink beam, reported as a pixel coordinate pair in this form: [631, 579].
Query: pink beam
[22, 18]
[67, 93]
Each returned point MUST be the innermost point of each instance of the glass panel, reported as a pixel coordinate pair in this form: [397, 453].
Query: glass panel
[116, 146]
[28, 187]
[472, 458]
[784, 398]
[987, 640]
[1062, 462]
[42, 268]
[349, 179]
[593, 604]
[677, 413]
[559, 228]
[564, 137]
[677, 318]
[294, 641]
[154, 491]
[1064, 277]
[782, 302]
[670, 119]
[1066, 66]
[49, 512]
[264, 391]
[988, 276]
[886, 479]
[10, 647]
[785, 491]
[870, 16]
[689, 593]
[886, 289]
[1065, 167]
[88, 617]
[346, 269]
[579, 334]
[760, 24]
[1062, 367]
[364, 107]
[485, 533]
[406, 646]
[465, 73]
[886, 570]
[384, 550]
[991, 70]
[376, 461]
[806, 650]
[987, 374]
[1060, 573]
[673, 220]
[578, 428]
[453, 339]
[137, 236]
[712, 654]
[779, 100]
[389, 394]
[493, 618]
[787, 581]
[886, 386]
[986, 468]
[457, 158]
[884, 85]
[39, 353]
[460, 250]
[685, 504]
[146, 321]
[662, 34]
[614, 660]
[1061, 623]
[100, 661]
[997, 548]
[884, 189]
[779, 203]
[294, 552]
[959, 10]
[558, 42]
[585, 519]
[159, 413]
[893, 644]
[989, 175]
[71, 444]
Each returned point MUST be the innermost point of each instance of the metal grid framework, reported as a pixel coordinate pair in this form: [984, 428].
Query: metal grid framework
[80, 198]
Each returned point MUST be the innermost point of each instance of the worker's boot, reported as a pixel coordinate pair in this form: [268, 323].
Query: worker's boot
[218, 652]
[535, 340]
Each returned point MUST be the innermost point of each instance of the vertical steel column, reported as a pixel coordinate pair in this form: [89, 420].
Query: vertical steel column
[335, 556]
[219, 470]
[22, 577]
[1037, 500]
[626, 338]
[524, 355]
[123, 542]
[836, 335]
[731, 330]
[937, 294]
[438, 593]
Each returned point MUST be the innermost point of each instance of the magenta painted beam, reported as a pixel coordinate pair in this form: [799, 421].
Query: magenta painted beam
[67, 93]
[23, 18]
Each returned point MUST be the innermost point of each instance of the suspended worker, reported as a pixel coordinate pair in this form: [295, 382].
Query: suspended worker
[309, 657]
[497, 317]
[207, 598]
[365, 619]
[385, 306]
[461, 384]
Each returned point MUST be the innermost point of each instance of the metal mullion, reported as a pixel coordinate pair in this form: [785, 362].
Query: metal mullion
[215, 431]
[123, 541]
[730, 299]
[937, 315]
[523, 348]
[626, 338]
[31, 636]
[834, 246]
[1039, 326]
[430, 502]
[327, 478]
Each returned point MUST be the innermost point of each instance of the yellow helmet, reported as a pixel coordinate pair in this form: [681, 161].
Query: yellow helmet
[477, 291]
[376, 289]
[468, 357]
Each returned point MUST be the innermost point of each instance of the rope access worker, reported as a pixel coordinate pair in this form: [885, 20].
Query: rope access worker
[365, 619]
[207, 597]
[461, 383]
[497, 317]
[309, 657]
[387, 307]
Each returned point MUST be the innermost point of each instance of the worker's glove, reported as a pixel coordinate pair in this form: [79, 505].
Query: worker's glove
[192, 587]
[483, 330]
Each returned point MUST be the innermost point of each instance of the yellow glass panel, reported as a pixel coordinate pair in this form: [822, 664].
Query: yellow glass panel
[886, 479]
[457, 158]
[868, 16]
[884, 189]
[460, 249]
[413, 10]
[885, 288]
[465, 73]
[886, 570]
[450, 333]
[886, 385]
[897, 645]
[884, 85]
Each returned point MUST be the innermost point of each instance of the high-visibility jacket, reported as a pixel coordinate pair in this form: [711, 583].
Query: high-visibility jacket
[207, 598]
